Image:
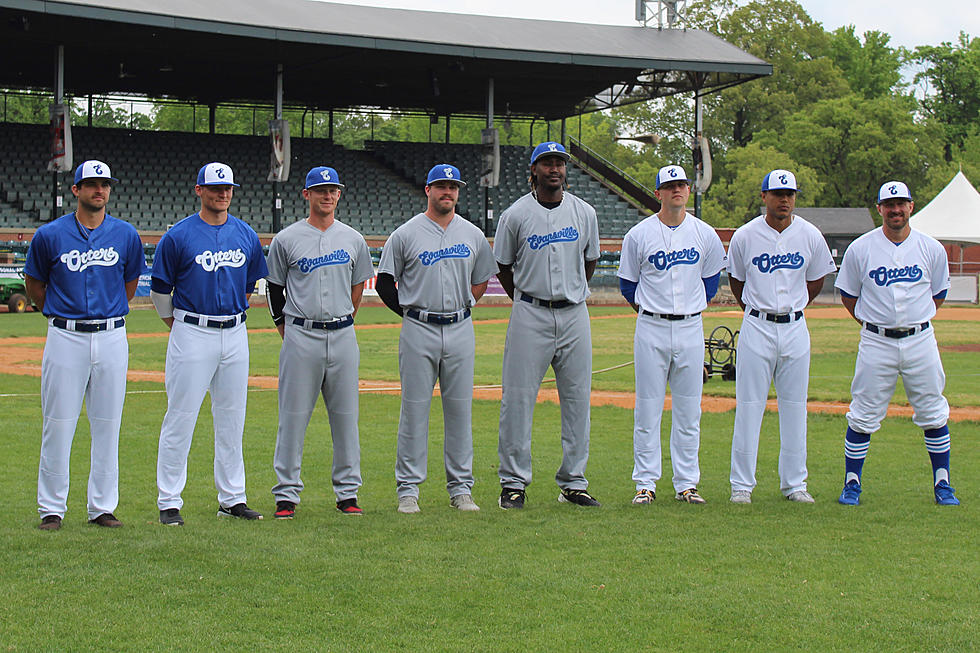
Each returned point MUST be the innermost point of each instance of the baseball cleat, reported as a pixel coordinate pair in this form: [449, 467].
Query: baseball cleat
[741, 496]
[50, 523]
[944, 495]
[239, 510]
[690, 495]
[800, 496]
[106, 520]
[464, 502]
[408, 505]
[285, 510]
[171, 517]
[578, 497]
[644, 497]
[511, 499]
[849, 495]
[349, 507]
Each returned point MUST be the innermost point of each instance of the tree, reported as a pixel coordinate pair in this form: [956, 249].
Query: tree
[872, 68]
[953, 74]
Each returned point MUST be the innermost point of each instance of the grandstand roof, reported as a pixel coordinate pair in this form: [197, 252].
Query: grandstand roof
[338, 56]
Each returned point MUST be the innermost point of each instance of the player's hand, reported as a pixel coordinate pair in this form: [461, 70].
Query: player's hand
[169, 321]
[281, 328]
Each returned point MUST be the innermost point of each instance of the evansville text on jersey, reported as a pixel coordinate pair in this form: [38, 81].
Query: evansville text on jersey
[772, 262]
[211, 261]
[336, 257]
[77, 261]
[565, 235]
[460, 250]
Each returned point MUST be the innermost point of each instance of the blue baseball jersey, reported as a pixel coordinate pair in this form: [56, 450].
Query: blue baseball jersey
[210, 268]
[85, 271]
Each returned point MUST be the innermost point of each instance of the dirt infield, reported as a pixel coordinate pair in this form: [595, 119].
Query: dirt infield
[27, 361]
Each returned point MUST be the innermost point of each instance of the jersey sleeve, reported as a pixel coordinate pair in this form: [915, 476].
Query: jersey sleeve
[38, 257]
[391, 256]
[484, 265]
[277, 262]
[849, 278]
[135, 258]
[363, 268]
[165, 261]
[736, 266]
[821, 261]
[940, 270]
[714, 254]
[505, 240]
[592, 244]
[257, 269]
[629, 267]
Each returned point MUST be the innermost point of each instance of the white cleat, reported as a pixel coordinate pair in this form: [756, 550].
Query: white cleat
[741, 496]
[464, 502]
[408, 505]
[800, 496]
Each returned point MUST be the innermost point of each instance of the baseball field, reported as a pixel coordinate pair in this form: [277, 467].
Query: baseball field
[896, 573]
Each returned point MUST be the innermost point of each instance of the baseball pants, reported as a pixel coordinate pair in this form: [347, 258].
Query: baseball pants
[75, 367]
[536, 338]
[427, 352]
[667, 351]
[768, 352]
[880, 360]
[204, 360]
[312, 362]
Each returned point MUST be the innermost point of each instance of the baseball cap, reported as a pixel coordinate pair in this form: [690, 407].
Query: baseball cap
[779, 180]
[322, 176]
[93, 170]
[444, 172]
[667, 174]
[549, 148]
[893, 190]
[216, 174]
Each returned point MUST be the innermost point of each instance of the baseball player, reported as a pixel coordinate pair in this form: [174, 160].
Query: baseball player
[82, 269]
[547, 245]
[892, 280]
[204, 270]
[317, 270]
[776, 266]
[668, 271]
[442, 264]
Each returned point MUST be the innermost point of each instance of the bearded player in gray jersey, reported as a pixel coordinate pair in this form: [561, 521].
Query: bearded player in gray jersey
[442, 264]
[547, 245]
[317, 270]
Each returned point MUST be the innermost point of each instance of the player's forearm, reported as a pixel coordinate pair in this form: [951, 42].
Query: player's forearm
[276, 297]
[36, 290]
[736, 287]
[388, 292]
[506, 278]
[356, 293]
[849, 303]
[813, 289]
[131, 289]
[590, 269]
[478, 290]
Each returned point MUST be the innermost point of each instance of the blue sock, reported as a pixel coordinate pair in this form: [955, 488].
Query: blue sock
[937, 444]
[856, 447]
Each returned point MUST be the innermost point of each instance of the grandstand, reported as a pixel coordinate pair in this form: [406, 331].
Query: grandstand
[157, 172]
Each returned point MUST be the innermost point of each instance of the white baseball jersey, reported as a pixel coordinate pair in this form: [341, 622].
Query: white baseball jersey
[775, 266]
[547, 246]
[318, 269]
[894, 284]
[436, 268]
[668, 264]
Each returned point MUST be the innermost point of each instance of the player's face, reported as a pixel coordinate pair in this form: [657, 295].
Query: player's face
[443, 196]
[215, 198]
[779, 203]
[550, 172]
[323, 199]
[92, 194]
[895, 213]
[674, 194]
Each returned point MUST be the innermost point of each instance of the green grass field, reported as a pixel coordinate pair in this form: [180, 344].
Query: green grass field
[897, 573]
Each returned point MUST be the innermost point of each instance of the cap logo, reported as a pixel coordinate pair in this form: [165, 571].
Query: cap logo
[672, 172]
[782, 178]
[448, 172]
[325, 174]
[98, 169]
[552, 147]
[893, 189]
[219, 173]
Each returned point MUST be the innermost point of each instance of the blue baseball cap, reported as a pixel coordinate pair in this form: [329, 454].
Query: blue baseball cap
[444, 172]
[779, 180]
[216, 174]
[891, 190]
[549, 148]
[93, 170]
[322, 176]
[669, 174]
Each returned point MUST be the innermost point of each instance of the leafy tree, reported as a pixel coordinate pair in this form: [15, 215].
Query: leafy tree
[872, 68]
[953, 73]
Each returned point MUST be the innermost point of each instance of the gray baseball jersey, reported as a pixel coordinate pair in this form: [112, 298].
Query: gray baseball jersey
[318, 269]
[546, 246]
[547, 249]
[435, 269]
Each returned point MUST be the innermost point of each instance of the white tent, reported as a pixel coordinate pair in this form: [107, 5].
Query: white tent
[953, 216]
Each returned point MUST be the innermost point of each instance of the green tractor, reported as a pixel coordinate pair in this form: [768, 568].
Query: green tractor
[13, 293]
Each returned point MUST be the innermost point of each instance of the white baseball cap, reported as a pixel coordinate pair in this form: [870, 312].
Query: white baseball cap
[668, 174]
[779, 180]
[93, 170]
[891, 190]
[216, 174]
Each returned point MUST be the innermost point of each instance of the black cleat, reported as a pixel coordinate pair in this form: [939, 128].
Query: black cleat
[239, 510]
[171, 517]
[511, 499]
[285, 510]
[578, 497]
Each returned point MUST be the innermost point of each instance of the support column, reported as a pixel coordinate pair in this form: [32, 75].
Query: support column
[699, 167]
[447, 128]
[276, 191]
[564, 132]
[212, 109]
[487, 201]
[59, 97]
[330, 127]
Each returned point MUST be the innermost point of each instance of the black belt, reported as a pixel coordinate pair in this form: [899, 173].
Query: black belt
[558, 303]
[778, 318]
[670, 316]
[90, 326]
[897, 333]
[332, 325]
[438, 318]
[193, 318]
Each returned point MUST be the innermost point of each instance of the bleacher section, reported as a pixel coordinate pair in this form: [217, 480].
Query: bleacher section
[158, 169]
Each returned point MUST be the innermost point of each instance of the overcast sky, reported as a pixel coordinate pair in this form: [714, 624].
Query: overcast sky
[909, 22]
